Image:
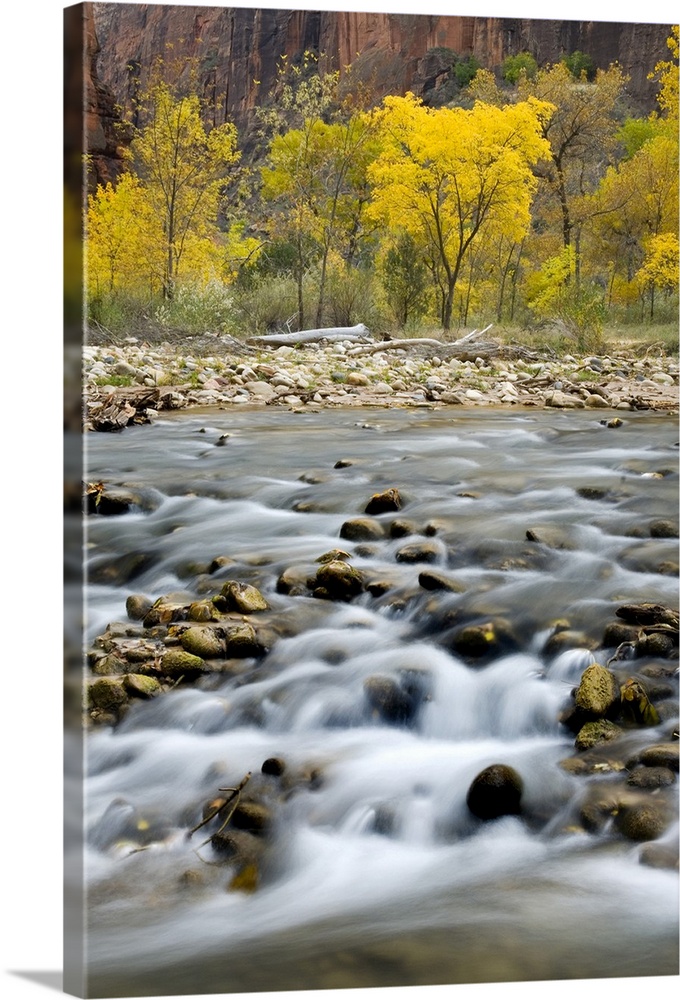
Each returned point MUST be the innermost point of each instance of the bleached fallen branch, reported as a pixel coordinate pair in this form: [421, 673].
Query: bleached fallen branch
[402, 345]
[351, 333]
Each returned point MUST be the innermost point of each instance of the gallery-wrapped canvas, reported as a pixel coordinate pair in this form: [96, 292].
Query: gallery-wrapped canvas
[371, 499]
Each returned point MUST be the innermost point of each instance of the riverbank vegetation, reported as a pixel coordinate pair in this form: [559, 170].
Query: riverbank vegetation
[537, 200]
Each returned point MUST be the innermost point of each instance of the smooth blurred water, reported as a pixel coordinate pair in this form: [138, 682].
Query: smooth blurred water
[439, 898]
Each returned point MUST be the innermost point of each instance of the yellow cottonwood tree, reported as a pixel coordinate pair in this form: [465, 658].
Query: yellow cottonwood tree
[124, 248]
[183, 168]
[445, 176]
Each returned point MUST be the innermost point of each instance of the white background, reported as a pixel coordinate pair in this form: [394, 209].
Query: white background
[30, 381]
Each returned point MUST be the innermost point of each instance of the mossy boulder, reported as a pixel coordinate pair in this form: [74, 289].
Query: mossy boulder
[659, 644]
[600, 731]
[339, 580]
[202, 641]
[382, 503]
[108, 694]
[243, 597]
[141, 686]
[178, 663]
[598, 695]
[496, 791]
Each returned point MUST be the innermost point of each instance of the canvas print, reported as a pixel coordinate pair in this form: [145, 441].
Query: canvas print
[372, 562]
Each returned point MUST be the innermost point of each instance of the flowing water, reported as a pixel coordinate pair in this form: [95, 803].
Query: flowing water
[379, 875]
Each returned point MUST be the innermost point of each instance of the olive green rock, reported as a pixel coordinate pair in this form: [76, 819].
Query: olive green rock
[203, 642]
[141, 686]
[242, 641]
[642, 820]
[598, 695]
[203, 611]
[341, 581]
[243, 597]
[178, 663]
[107, 694]
[600, 731]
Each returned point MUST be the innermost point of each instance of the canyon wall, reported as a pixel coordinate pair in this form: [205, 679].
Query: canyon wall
[237, 49]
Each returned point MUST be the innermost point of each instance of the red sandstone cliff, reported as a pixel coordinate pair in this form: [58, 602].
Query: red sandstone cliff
[237, 47]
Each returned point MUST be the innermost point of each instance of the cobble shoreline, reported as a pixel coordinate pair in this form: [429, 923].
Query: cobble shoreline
[226, 373]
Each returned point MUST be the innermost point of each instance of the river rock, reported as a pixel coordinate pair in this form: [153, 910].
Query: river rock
[429, 579]
[664, 856]
[362, 529]
[203, 642]
[293, 580]
[339, 580]
[141, 686]
[616, 632]
[107, 694]
[600, 731]
[480, 641]
[138, 606]
[663, 529]
[243, 597]
[496, 791]
[598, 695]
[242, 641]
[203, 611]
[596, 400]
[651, 777]
[178, 663]
[254, 817]
[381, 503]
[417, 552]
[401, 529]
[659, 644]
[563, 400]
[661, 755]
[274, 766]
[642, 820]
[109, 665]
[389, 701]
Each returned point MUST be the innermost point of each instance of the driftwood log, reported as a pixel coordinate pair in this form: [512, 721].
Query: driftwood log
[354, 333]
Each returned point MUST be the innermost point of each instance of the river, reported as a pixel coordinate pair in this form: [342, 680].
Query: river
[380, 876]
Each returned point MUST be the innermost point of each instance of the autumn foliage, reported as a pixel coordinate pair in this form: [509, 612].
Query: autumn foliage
[535, 197]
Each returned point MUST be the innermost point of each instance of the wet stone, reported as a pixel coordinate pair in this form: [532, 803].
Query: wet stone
[661, 755]
[203, 642]
[663, 856]
[598, 694]
[362, 529]
[389, 701]
[178, 663]
[382, 503]
[243, 597]
[340, 580]
[138, 606]
[663, 529]
[496, 791]
[431, 580]
[642, 820]
[417, 552]
[592, 733]
[651, 777]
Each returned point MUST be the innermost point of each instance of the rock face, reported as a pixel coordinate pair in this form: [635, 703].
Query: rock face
[237, 48]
